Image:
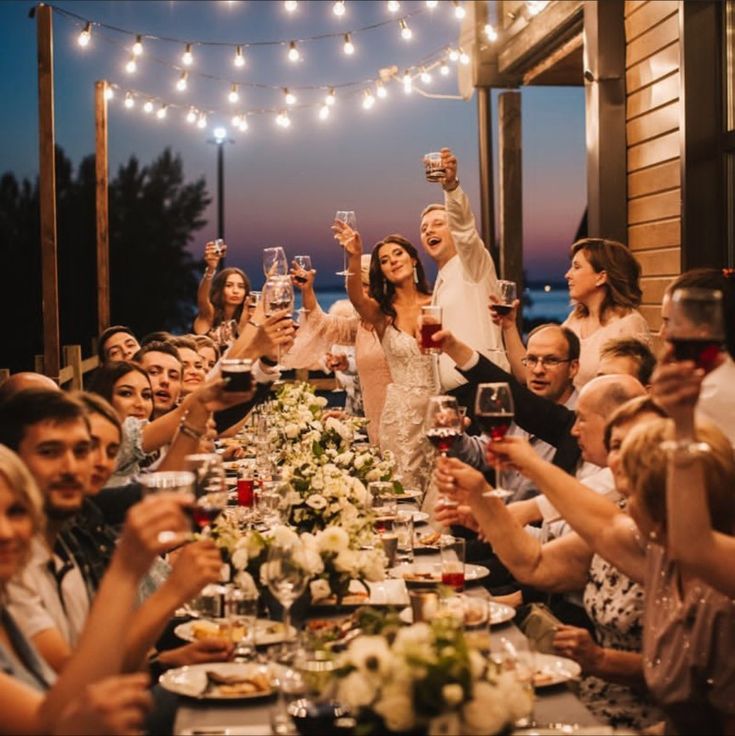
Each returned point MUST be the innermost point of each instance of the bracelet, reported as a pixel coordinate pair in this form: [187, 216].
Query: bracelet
[684, 452]
[188, 431]
[268, 361]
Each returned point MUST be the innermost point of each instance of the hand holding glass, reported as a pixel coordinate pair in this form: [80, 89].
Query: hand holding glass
[274, 262]
[695, 327]
[349, 218]
[494, 412]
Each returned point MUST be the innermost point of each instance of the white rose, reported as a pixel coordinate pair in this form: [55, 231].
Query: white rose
[346, 561]
[396, 709]
[372, 567]
[371, 655]
[452, 694]
[240, 558]
[317, 483]
[360, 460]
[333, 539]
[319, 589]
[320, 401]
[291, 431]
[373, 474]
[486, 712]
[356, 691]
[284, 536]
[316, 501]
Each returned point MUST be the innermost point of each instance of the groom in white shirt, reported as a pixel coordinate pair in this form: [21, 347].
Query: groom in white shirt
[465, 280]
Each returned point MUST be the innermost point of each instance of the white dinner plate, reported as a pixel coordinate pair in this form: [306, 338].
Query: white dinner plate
[191, 681]
[266, 632]
[429, 573]
[553, 670]
[409, 494]
[499, 614]
[384, 593]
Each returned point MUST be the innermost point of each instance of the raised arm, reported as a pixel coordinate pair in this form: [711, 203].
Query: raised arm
[609, 531]
[514, 347]
[205, 316]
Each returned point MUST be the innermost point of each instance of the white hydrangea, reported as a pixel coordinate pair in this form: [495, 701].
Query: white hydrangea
[333, 539]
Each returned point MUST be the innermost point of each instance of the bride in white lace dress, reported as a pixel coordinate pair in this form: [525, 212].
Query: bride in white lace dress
[398, 290]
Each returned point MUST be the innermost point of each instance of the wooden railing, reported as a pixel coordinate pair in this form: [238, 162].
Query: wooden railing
[73, 367]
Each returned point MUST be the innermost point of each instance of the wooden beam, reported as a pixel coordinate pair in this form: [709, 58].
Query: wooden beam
[47, 190]
[604, 70]
[487, 188]
[556, 59]
[511, 190]
[102, 207]
[73, 367]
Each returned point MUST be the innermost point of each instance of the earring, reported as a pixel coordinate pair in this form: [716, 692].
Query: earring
[415, 275]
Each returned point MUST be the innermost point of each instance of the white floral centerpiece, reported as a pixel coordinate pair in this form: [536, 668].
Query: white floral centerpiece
[426, 679]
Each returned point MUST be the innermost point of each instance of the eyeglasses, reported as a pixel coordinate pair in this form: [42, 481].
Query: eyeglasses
[546, 362]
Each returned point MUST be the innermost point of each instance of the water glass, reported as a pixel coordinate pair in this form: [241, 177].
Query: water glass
[434, 167]
[241, 612]
[209, 603]
[403, 529]
[452, 562]
[424, 603]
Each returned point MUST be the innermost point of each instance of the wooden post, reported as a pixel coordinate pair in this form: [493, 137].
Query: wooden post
[101, 207]
[47, 190]
[487, 181]
[73, 360]
[511, 191]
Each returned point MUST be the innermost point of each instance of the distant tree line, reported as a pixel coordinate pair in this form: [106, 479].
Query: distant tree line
[154, 214]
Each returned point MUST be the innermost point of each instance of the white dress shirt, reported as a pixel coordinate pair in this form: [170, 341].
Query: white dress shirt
[463, 287]
[717, 398]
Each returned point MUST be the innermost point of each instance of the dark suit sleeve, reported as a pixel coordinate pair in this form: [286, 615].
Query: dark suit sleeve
[228, 417]
[541, 417]
[115, 502]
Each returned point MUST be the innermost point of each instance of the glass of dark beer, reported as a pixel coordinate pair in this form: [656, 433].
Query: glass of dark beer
[240, 373]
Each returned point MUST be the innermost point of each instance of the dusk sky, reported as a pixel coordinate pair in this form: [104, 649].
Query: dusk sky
[283, 186]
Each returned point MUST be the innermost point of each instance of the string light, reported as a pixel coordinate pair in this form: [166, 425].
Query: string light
[393, 6]
[407, 83]
[425, 76]
[191, 116]
[380, 90]
[161, 112]
[431, 4]
[464, 57]
[131, 66]
[243, 124]
[323, 112]
[85, 36]
[290, 5]
[234, 95]
[453, 55]
[187, 58]
[202, 121]
[138, 46]
[182, 83]
[406, 32]
[349, 47]
[339, 8]
[129, 101]
[239, 60]
[236, 120]
[490, 32]
[331, 97]
[459, 11]
[148, 107]
[283, 120]
[367, 99]
[109, 92]
[289, 97]
[293, 52]
[444, 70]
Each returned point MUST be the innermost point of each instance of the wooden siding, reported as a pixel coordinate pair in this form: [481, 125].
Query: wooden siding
[653, 143]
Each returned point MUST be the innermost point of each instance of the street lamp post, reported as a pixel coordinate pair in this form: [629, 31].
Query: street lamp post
[220, 138]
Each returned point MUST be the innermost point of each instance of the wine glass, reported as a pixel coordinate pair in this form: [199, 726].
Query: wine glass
[494, 412]
[286, 579]
[507, 294]
[349, 218]
[210, 487]
[278, 295]
[304, 263]
[274, 262]
[695, 328]
[443, 426]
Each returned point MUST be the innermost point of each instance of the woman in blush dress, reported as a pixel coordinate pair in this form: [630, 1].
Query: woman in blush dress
[398, 290]
[321, 330]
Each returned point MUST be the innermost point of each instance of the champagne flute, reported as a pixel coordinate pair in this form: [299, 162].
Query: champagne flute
[695, 327]
[286, 580]
[443, 426]
[274, 262]
[304, 263]
[494, 412]
[349, 218]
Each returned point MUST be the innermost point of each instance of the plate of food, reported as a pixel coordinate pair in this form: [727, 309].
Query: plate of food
[427, 541]
[384, 593]
[266, 632]
[430, 573]
[219, 681]
[499, 614]
[408, 494]
[552, 670]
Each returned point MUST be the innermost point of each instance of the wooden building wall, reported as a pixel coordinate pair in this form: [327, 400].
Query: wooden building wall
[653, 145]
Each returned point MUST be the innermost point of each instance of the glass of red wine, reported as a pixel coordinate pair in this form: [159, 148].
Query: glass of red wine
[443, 427]
[304, 263]
[695, 328]
[430, 322]
[494, 412]
[349, 218]
[506, 295]
[210, 487]
[452, 562]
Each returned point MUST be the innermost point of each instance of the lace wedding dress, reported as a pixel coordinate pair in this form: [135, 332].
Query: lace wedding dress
[402, 421]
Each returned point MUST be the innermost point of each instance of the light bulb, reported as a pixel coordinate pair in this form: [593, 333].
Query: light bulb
[282, 119]
[368, 100]
[234, 95]
[138, 46]
[239, 59]
[407, 83]
[191, 116]
[290, 5]
[109, 92]
[293, 52]
[431, 4]
[243, 124]
[490, 32]
[161, 112]
[131, 66]
[453, 55]
[380, 90]
[85, 35]
[182, 82]
[148, 107]
[187, 58]
[425, 77]
[219, 134]
[289, 97]
[349, 47]
[236, 120]
[459, 11]
[129, 101]
[339, 8]
[331, 97]
[464, 58]
[406, 32]
[444, 70]
[202, 121]
[323, 112]
[393, 6]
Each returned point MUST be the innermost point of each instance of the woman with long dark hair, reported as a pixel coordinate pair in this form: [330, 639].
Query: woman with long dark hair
[221, 299]
[398, 290]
